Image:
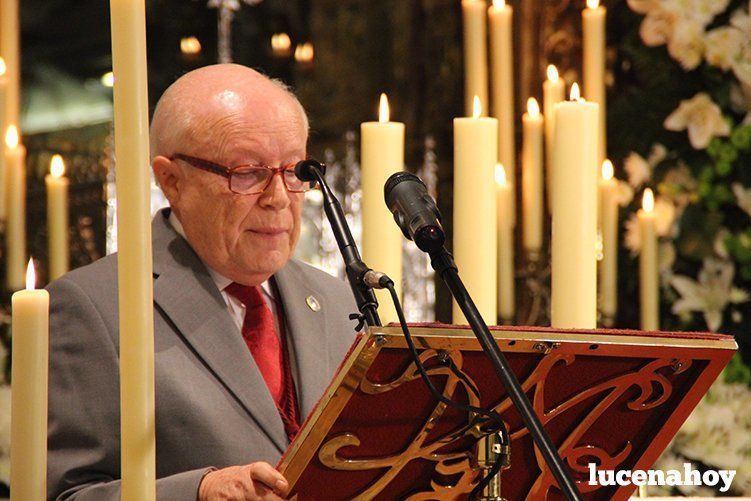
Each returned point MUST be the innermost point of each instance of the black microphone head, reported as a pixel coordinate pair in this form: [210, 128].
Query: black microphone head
[304, 170]
[415, 211]
[393, 181]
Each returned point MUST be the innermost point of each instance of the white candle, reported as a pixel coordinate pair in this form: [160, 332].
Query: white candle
[135, 281]
[382, 155]
[574, 268]
[501, 20]
[9, 50]
[15, 235]
[609, 228]
[532, 178]
[648, 270]
[506, 293]
[57, 218]
[3, 127]
[475, 230]
[475, 52]
[554, 91]
[28, 420]
[593, 23]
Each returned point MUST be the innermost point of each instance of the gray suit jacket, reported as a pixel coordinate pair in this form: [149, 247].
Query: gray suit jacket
[212, 405]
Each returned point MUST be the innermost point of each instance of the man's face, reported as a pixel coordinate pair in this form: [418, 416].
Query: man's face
[246, 238]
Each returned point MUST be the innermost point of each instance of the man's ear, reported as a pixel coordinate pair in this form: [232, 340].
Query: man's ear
[170, 177]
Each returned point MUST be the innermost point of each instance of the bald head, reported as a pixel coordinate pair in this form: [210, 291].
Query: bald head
[200, 101]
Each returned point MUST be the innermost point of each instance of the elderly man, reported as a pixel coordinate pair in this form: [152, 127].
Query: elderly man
[246, 339]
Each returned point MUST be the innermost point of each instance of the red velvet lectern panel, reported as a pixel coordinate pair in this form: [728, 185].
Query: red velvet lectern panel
[615, 398]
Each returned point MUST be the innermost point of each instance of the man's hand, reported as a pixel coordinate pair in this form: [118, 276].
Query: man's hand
[252, 482]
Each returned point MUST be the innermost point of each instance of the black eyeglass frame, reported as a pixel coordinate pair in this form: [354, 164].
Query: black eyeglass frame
[228, 172]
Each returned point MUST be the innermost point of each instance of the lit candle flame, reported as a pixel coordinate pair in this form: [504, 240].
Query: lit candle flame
[3, 67]
[476, 107]
[593, 4]
[11, 137]
[575, 93]
[383, 109]
[280, 42]
[190, 45]
[499, 4]
[500, 175]
[648, 201]
[552, 73]
[304, 53]
[533, 108]
[607, 170]
[31, 277]
[57, 166]
[108, 79]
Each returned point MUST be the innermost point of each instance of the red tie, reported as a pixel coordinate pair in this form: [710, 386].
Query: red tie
[270, 355]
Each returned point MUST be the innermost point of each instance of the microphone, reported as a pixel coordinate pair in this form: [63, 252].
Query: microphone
[305, 170]
[415, 211]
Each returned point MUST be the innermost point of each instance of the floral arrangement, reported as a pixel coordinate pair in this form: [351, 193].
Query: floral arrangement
[681, 124]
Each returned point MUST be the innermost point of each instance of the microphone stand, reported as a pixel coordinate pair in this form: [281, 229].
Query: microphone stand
[354, 265]
[443, 263]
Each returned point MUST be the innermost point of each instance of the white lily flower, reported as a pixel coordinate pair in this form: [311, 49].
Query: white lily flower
[742, 196]
[702, 117]
[637, 169]
[711, 294]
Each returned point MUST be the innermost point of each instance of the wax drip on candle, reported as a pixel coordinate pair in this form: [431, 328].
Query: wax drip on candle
[57, 166]
[500, 175]
[593, 4]
[476, 107]
[552, 73]
[648, 201]
[11, 137]
[31, 277]
[383, 109]
[607, 170]
[533, 107]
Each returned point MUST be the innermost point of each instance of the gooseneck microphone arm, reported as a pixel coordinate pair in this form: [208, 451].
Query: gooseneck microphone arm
[356, 270]
[417, 215]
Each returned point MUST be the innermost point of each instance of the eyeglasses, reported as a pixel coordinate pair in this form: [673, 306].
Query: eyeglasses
[250, 179]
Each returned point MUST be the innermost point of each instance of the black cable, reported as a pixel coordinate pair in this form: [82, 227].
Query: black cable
[491, 414]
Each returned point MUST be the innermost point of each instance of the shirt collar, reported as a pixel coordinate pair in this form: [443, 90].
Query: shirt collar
[220, 280]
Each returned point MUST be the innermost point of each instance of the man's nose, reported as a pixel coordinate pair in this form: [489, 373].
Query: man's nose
[275, 195]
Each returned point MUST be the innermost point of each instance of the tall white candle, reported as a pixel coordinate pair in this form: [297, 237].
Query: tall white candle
[474, 22]
[506, 292]
[57, 218]
[649, 291]
[501, 20]
[3, 127]
[382, 155]
[475, 230]
[10, 51]
[135, 279]
[574, 260]
[15, 236]
[28, 419]
[532, 178]
[593, 23]
[609, 228]
[554, 91]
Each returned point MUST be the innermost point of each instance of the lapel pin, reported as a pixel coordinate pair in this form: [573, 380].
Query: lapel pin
[313, 303]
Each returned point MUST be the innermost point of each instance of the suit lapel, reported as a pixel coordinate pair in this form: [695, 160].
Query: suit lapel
[186, 293]
[307, 330]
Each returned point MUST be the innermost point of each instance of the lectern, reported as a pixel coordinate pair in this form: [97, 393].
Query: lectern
[611, 397]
